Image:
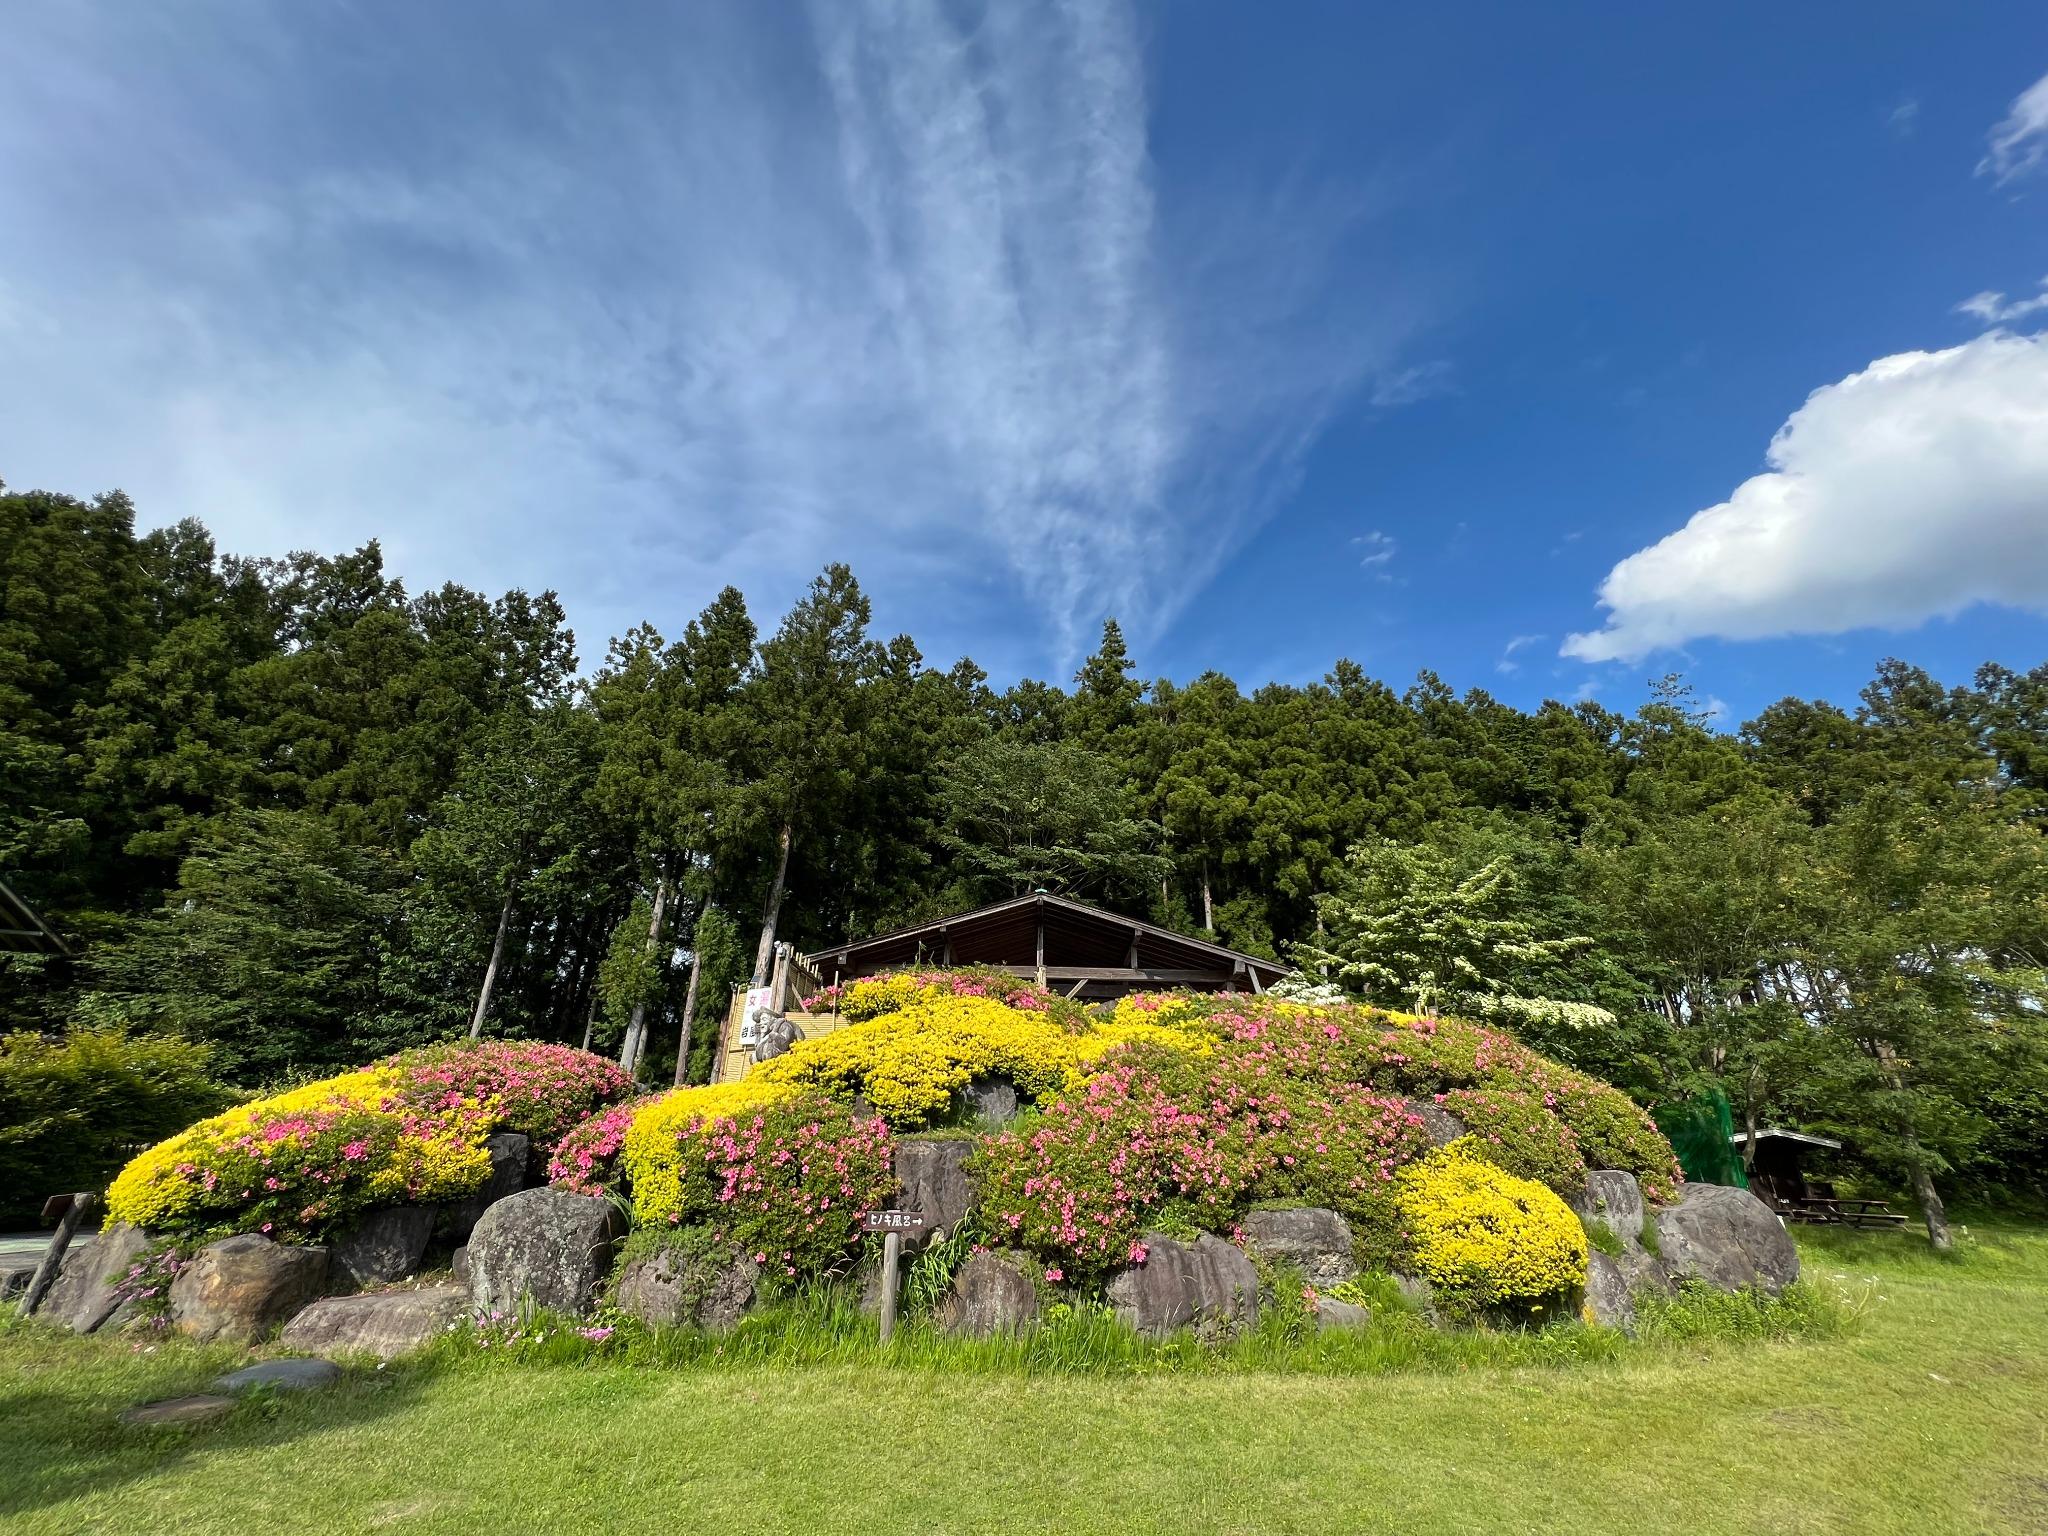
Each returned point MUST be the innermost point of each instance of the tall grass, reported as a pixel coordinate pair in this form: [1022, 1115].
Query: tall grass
[826, 1327]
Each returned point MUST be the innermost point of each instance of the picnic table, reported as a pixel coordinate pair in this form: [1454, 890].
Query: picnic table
[1835, 1211]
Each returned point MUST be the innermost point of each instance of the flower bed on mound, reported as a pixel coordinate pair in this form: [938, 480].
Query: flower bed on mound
[409, 1130]
[1172, 1112]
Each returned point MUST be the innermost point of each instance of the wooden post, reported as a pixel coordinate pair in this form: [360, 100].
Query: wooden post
[53, 1256]
[892, 1263]
[1041, 943]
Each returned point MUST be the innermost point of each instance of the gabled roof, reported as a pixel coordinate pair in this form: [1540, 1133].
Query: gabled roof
[21, 931]
[1779, 1133]
[1083, 937]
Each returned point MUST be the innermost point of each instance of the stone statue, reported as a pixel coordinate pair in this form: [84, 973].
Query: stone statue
[773, 1034]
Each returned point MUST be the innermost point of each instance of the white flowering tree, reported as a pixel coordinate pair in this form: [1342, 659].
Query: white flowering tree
[1408, 928]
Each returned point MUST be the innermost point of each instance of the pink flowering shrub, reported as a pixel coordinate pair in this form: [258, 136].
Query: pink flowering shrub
[543, 1091]
[1315, 1106]
[586, 1161]
[409, 1130]
[785, 1184]
[1156, 1131]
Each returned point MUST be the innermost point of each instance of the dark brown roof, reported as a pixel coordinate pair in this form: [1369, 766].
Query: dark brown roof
[1005, 933]
[21, 931]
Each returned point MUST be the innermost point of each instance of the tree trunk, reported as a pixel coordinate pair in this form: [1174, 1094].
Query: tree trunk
[590, 1019]
[1208, 902]
[771, 913]
[483, 996]
[636, 1027]
[1931, 1209]
[696, 975]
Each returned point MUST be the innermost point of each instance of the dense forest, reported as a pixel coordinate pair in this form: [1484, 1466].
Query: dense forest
[288, 808]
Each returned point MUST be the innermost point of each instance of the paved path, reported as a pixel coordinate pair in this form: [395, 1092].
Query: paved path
[22, 1247]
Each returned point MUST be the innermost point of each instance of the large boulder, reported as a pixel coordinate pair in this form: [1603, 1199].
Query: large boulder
[1726, 1237]
[992, 1293]
[385, 1324]
[1438, 1124]
[544, 1246]
[1612, 1199]
[660, 1289]
[1207, 1283]
[932, 1176]
[510, 1153]
[385, 1245]
[1334, 1316]
[240, 1288]
[88, 1292]
[1316, 1240]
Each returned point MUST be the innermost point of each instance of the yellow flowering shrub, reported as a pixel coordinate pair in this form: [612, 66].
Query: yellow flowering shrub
[1483, 1236]
[910, 1063]
[1091, 1049]
[650, 1150]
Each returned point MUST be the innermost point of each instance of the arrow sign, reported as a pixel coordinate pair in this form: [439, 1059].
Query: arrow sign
[897, 1221]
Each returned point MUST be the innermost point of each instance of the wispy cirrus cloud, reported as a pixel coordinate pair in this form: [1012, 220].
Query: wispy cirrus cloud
[664, 302]
[2018, 144]
[1996, 309]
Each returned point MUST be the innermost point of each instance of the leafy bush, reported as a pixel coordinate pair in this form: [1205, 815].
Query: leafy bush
[410, 1129]
[873, 996]
[1484, 1237]
[1517, 1132]
[71, 1110]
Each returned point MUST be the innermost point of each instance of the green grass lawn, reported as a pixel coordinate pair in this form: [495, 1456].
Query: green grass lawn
[1930, 1414]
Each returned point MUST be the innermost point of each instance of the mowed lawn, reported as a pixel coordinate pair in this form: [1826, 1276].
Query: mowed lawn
[1932, 1415]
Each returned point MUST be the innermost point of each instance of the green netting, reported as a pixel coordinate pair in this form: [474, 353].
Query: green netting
[1699, 1130]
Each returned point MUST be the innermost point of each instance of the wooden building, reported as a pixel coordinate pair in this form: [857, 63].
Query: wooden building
[1075, 949]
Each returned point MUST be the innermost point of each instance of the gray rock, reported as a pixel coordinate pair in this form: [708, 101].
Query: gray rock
[732, 1294]
[382, 1323]
[1613, 1284]
[1315, 1239]
[86, 1294]
[201, 1409]
[933, 1179]
[656, 1289]
[1438, 1124]
[458, 1265]
[544, 1246]
[385, 1245]
[281, 1375]
[1208, 1282]
[1612, 1199]
[240, 1288]
[1333, 1316]
[510, 1153]
[1420, 1294]
[1726, 1237]
[992, 1293]
[992, 1100]
[14, 1279]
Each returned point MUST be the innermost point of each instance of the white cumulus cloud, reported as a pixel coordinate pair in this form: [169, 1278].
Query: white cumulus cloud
[2019, 143]
[1910, 490]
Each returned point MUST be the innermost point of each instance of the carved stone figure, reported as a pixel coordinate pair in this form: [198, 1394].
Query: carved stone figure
[773, 1034]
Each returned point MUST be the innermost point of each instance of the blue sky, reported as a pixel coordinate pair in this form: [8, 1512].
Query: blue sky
[1551, 348]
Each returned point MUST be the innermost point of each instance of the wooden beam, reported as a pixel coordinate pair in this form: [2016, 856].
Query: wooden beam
[1041, 943]
[1075, 990]
[1161, 975]
[1132, 959]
